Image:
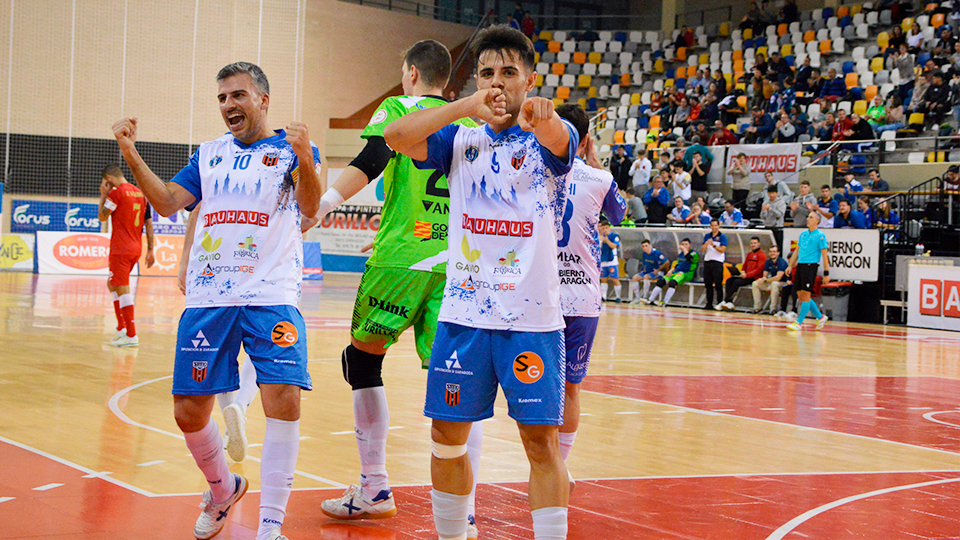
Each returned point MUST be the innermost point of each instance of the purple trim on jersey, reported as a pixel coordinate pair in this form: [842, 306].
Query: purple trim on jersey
[614, 207]
[578, 341]
[440, 150]
[559, 166]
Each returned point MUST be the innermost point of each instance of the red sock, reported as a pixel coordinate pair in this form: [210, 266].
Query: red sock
[116, 310]
[127, 312]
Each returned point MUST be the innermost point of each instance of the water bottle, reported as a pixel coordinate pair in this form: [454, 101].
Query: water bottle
[919, 250]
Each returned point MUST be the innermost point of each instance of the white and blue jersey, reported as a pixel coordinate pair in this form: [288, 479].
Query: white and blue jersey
[247, 249]
[652, 262]
[507, 199]
[732, 219]
[712, 253]
[680, 214]
[589, 191]
[810, 243]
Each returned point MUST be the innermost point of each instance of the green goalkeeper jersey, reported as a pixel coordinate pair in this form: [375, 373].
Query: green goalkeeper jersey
[416, 203]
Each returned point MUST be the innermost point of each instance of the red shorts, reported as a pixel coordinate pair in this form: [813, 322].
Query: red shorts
[120, 267]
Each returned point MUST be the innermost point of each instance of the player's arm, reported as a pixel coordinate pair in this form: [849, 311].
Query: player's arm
[538, 115]
[148, 229]
[793, 259]
[665, 266]
[187, 246]
[106, 205]
[826, 266]
[166, 198]
[408, 134]
[614, 207]
[308, 188]
[364, 168]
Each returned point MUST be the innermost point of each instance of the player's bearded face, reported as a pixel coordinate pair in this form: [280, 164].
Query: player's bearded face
[242, 107]
[505, 70]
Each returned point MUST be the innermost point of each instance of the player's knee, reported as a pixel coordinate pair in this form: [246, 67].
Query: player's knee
[361, 369]
[661, 282]
[672, 285]
[540, 443]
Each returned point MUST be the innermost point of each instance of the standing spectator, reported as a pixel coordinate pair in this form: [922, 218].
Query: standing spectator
[664, 163]
[827, 207]
[610, 260]
[680, 181]
[640, 170]
[876, 183]
[620, 168]
[714, 248]
[698, 176]
[789, 12]
[774, 272]
[773, 209]
[635, 209]
[653, 264]
[785, 194]
[848, 218]
[513, 22]
[731, 217]
[684, 269]
[811, 247]
[752, 270]
[527, 25]
[518, 12]
[657, 199]
[761, 128]
[680, 212]
[833, 87]
[739, 173]
[904, 61]
[697, 216]
[805, 203]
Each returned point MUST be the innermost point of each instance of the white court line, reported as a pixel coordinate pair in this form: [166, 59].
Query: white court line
[823, 408]
[100, 474]
[888, 441]
[772, 409]
[789, 526]
[919, 408]
[114, 404]
[151, 463]
[351, 432]
[5, 499]
[871, 408]
[47, 487]
[930, 416]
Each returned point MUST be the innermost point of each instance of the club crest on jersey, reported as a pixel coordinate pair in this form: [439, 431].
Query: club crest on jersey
[518, 157]
[199, 370]
[471, 153]
[271, 158]
[215, 161]
[452, 396]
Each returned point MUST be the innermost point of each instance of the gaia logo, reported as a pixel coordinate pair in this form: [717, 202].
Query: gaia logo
[209, 244]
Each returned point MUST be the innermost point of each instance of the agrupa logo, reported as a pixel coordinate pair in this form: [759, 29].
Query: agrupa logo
[73, 221]
[21, 216]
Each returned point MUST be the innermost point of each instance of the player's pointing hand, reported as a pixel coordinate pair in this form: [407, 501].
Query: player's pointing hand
[534, 111]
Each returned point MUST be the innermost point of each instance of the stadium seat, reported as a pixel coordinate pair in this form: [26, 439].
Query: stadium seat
[545, 35]
[846, 106]
[870, 92]
[560, 36]
[860, 107]
[866, 77]
[937, 20]
[589, 69]
[594, 58]
[558, 69]
[583, 81]
[876, 65]
[809, 36]
[832, 22]
[604, 70]
[839, 45]
[658, 85]
[848, 67]
[552, 80]
[625, 79]
[655, 121]
[905, 24]
[827, 13]
[619, 136]
[826, 47]
[553, 46]
[579, 58]
[843, 11]
[863, 32]
[568, 46]
[658, 66]
[539, 80]
[916, 118]
[592, 92]
[786, 50]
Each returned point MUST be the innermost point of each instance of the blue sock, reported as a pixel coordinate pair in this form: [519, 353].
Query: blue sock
[804, 308]
[815, 310]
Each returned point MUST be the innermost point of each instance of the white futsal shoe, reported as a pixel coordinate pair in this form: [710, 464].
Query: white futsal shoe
[236, 439]
[214, 516]
[118, 334]
[353, 506]
[275, 535]
[125, 341]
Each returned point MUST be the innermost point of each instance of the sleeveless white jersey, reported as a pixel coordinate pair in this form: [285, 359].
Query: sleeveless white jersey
[247, 248]
[506, 201]
[589, 191]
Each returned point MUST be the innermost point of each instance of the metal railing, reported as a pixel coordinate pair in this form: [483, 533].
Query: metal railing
[422, 9]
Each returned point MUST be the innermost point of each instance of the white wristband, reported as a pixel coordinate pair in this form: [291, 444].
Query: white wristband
[330, 200]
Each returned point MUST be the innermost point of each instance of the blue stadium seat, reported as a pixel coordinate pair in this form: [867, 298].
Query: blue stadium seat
[540, 46]
[848, 67]
[592, 104]
[846, 21]
[827, 13]
[791, 60]
[620, 36]
[681, 84]
[747, 44]
[671, 73]
[643, 122]
[922, 58]
[760, 42]
[657, 54]
[643, 110]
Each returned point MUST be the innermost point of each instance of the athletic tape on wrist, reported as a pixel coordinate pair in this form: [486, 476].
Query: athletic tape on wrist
[443, 451]
[330, 200]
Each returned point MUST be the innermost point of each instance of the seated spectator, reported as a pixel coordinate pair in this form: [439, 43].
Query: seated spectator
[778, 67]
[863, 204]
[773, 209]
[752, 270]
[680, 181]
[850, 189]
[876, 183]
[682, 114]
[773, 278]
[823, 130]
[896, 39]
[702, 203]
[915, 39]
[802, 205]
[860, 130]
[761, 128]
[842, 129]
[827, 206]
[781, 187]
[709, 109]
[786, 132]
[697, 216]
[876, 111]
[721, 135]
[694, 81]
[799, 118]
[657, 199]
[653, 264]
[684, 268]
[936, 101]
[721, 84]
[731, 217]
[834, 87]
[848, 218]
[635, 209]
[887, 220]
[678, 216]
[804, 73]
[814, 88]
[760, 64]
[513, 23]
[739, 173]
[920, 88]
[892, 119]
[951, 178]
[705, 81]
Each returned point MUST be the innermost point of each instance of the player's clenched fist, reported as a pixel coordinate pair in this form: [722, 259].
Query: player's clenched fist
[298, 135]
[491, 105]
[126, 132]
[534, 111]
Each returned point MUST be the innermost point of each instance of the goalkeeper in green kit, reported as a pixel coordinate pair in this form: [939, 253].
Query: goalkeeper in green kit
[403, 282]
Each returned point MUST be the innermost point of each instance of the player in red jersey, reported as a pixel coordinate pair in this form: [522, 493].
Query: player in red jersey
[131, 212]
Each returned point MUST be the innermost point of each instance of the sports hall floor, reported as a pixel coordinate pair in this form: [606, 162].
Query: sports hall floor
[697, 425]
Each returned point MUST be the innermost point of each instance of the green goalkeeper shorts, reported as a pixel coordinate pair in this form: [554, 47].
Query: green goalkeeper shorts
[680, 279]
[390, 300]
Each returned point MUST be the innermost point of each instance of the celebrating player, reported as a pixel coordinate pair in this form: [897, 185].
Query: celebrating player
[500, 319]
[811, 247]
[131, 215]
[242, 284]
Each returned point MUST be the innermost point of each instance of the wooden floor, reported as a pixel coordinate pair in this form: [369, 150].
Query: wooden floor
[696, 425]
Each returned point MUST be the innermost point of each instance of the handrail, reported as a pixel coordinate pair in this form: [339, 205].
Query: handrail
[457, 83]
[421, 9]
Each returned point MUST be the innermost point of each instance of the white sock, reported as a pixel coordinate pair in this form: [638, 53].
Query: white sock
[248, 385]
[670, 292]
[474, 444]
[450, 515]
[634, 289]
[655, 295]
[615, 285]
[206, 446]
[646, 286]
[566, 443]
[225, 399]
[126, 300]
[281, 444]
[114, 296]
[550, 523]
[372, 420]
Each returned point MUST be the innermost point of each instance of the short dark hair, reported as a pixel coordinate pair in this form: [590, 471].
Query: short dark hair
[771, 189]
[432, 60]
[805, 182]
[825, 186]
[757, 238]
[575, 114]
[253, 70]
[503, 39]
[844, 201]
[604, 223]
[645, 241]
[630, 191]
[874, 170]
[687, 240]
[715, 220]
[112, 169]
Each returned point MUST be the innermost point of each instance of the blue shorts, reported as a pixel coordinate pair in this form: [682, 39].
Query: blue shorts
[578, 337]
[609, 272]
[208, 342]
[652, 275]
[467, 364]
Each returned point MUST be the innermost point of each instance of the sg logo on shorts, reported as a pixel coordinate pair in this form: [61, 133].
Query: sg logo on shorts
[528, 367]
[284, 334]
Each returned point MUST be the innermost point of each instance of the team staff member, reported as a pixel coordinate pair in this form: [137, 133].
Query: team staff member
[714, 253]
[131, 215]
[254, 183]
[811, 248]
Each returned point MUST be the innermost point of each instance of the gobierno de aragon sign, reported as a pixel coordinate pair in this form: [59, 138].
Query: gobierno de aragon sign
[853, 254]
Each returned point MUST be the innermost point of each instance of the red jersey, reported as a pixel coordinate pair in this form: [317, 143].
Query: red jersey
[753, 265]
[129, 212]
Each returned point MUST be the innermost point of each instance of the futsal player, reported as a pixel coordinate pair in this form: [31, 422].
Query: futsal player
[402, 283]
[610, 259]
[500, 320]
[684, 268]
[590, 190]
[131, 215]
[254, 183]
[652, 265]
[811, 248]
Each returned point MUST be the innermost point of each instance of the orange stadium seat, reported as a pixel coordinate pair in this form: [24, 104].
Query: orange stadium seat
[563, 92]
[579, 58]
[655, 121]
[783, 28]
[618, 136]
[843, 11]
[553, 46]
[738, 55]
[558, 68]
[625, 79]
[870, 92]
[682, 72]
[809, 36]
[826, 46]
[852, 80]
[937, 20]
[931, 6]
[682, 54]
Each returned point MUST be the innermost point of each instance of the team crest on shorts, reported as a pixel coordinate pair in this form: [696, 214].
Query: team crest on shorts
[528, 367]
[518, 157]
[452, 396]
[271, 158]
[471, 153]
[199, 370]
